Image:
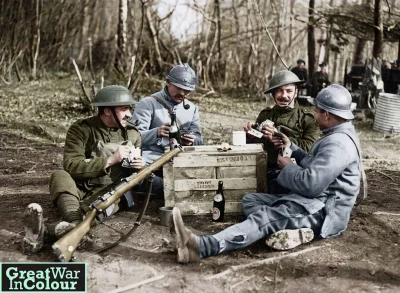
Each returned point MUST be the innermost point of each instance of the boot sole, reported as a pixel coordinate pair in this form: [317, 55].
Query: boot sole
[34, 229]
[289, 239]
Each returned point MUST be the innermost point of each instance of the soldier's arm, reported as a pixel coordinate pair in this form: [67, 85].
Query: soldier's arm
[195, 127]
[144, 112]
[75, 161]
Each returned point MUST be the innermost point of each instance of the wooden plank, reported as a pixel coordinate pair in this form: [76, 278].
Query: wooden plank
[216, 161]
[208, 195]
[205, 208]
[168, 178]
[212, 184]
[214, 148]
[237, 172]
[194, 173]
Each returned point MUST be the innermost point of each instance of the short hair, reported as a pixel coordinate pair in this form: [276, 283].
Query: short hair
[301, 61]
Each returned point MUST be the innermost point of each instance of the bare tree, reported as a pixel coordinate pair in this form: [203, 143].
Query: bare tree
[120, 56]
[311, 38]
[378, 38]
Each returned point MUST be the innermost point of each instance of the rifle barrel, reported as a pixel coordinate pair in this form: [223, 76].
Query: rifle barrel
[65, 246]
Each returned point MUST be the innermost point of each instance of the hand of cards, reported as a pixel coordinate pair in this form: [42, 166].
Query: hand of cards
[257, 128]
[135, 153]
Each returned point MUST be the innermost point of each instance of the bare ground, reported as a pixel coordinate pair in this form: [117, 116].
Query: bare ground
[33, 120]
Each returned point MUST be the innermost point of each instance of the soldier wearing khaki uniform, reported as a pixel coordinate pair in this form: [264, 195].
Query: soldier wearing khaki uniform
[296, 123]
[94, 150]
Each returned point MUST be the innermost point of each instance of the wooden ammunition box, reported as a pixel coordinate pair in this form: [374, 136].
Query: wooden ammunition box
[191, 179]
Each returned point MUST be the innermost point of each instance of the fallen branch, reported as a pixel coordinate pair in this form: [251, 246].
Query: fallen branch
[88, 101]
[386, 214]
[261, 262]
[133, 59]
[135, 285]
[242, 281]
[386, 175]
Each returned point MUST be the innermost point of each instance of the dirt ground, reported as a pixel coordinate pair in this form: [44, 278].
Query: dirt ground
[364, 259]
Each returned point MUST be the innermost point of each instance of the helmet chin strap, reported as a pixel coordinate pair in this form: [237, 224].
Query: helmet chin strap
[123, 130]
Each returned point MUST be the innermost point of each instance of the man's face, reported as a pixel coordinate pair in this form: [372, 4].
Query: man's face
[123, 114]
[177, 94]
[321, 117]
[323, 69]
[285, 95]
[301, 65]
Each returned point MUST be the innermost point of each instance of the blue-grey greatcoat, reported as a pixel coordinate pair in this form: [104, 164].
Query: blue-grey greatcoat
[152, 114]
[324, 186]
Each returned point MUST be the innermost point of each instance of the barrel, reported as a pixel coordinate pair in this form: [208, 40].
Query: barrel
[387, 114]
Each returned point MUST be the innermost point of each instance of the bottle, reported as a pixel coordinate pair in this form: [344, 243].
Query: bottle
[173, 131]
[218, 210]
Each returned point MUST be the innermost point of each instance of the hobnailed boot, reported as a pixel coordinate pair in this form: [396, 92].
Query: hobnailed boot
[34, 229]
[288, 239]
[186, 244]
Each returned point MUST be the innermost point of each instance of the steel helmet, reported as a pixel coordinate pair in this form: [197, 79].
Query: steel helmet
[113, 95]
[335, 99]
[182, 76]
[281, 78]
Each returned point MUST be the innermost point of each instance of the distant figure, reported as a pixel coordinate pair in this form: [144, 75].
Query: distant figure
[302, 74]
[320, 79]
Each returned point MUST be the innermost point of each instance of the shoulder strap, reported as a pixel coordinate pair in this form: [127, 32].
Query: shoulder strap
[168, 108]
[363, 175]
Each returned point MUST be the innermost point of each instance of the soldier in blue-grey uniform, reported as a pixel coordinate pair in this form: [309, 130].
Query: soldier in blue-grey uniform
[324, 185]
[153, 112]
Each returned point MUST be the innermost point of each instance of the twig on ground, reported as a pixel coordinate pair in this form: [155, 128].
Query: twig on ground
[242, 281]
[261, 262]
[386, 175]
[386, 214]
[276, 275]
[135, 285]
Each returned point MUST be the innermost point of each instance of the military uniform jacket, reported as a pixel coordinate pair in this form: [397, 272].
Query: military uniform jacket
[301, 73]
[88, 145]
[328, 177]
[152, 114]
[296, 123]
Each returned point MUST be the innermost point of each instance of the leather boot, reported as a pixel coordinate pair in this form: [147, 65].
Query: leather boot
[186, 244]
[34, 229]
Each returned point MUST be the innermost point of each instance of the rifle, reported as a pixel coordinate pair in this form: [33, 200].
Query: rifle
[65, 247]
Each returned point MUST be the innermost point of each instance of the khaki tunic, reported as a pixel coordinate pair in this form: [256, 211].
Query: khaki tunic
[88, 145]
[297, 124]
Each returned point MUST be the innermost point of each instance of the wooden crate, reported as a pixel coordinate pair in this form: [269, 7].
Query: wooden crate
[191, 179]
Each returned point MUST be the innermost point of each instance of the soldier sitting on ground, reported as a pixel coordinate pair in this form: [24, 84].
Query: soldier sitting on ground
[93, 152]
[296, 123]
[324, 185]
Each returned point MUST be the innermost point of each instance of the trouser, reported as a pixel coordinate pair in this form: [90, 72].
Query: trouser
[265, 215]
[72, 202]
[273, 186]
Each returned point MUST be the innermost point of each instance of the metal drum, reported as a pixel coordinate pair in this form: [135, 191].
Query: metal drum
[387, 115]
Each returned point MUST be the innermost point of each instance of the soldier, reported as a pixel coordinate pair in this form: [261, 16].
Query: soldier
[302, 74]
[324, 185]
[93, 152]
[296, 123]
[320, 79]
[153, 112]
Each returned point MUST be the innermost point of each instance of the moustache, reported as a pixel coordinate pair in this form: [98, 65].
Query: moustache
[126, 118]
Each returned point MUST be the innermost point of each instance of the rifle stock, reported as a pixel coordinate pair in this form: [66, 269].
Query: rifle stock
[65, 246]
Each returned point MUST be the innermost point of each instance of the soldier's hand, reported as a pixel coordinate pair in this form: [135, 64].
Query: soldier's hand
[268, 131]
[188, 139]
[117, 157]
[163, 130]
[248, 126]
[138, 163]
[280, 141]
[283, 162]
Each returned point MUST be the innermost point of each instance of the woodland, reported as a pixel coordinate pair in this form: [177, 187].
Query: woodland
[231, 44]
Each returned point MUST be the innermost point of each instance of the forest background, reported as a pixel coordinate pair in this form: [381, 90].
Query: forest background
[227, 42]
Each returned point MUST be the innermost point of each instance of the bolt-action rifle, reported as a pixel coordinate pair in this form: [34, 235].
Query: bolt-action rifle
[65, 247]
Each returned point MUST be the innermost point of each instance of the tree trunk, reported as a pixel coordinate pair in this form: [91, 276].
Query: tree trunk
[311, 39]
[153, 33]
[85, 29]
[218, 29]
[120, 61]
[378, 38]
[36, 38]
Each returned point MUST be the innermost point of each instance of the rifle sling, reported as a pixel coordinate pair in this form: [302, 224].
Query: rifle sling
[168, 108]
[137, 223]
